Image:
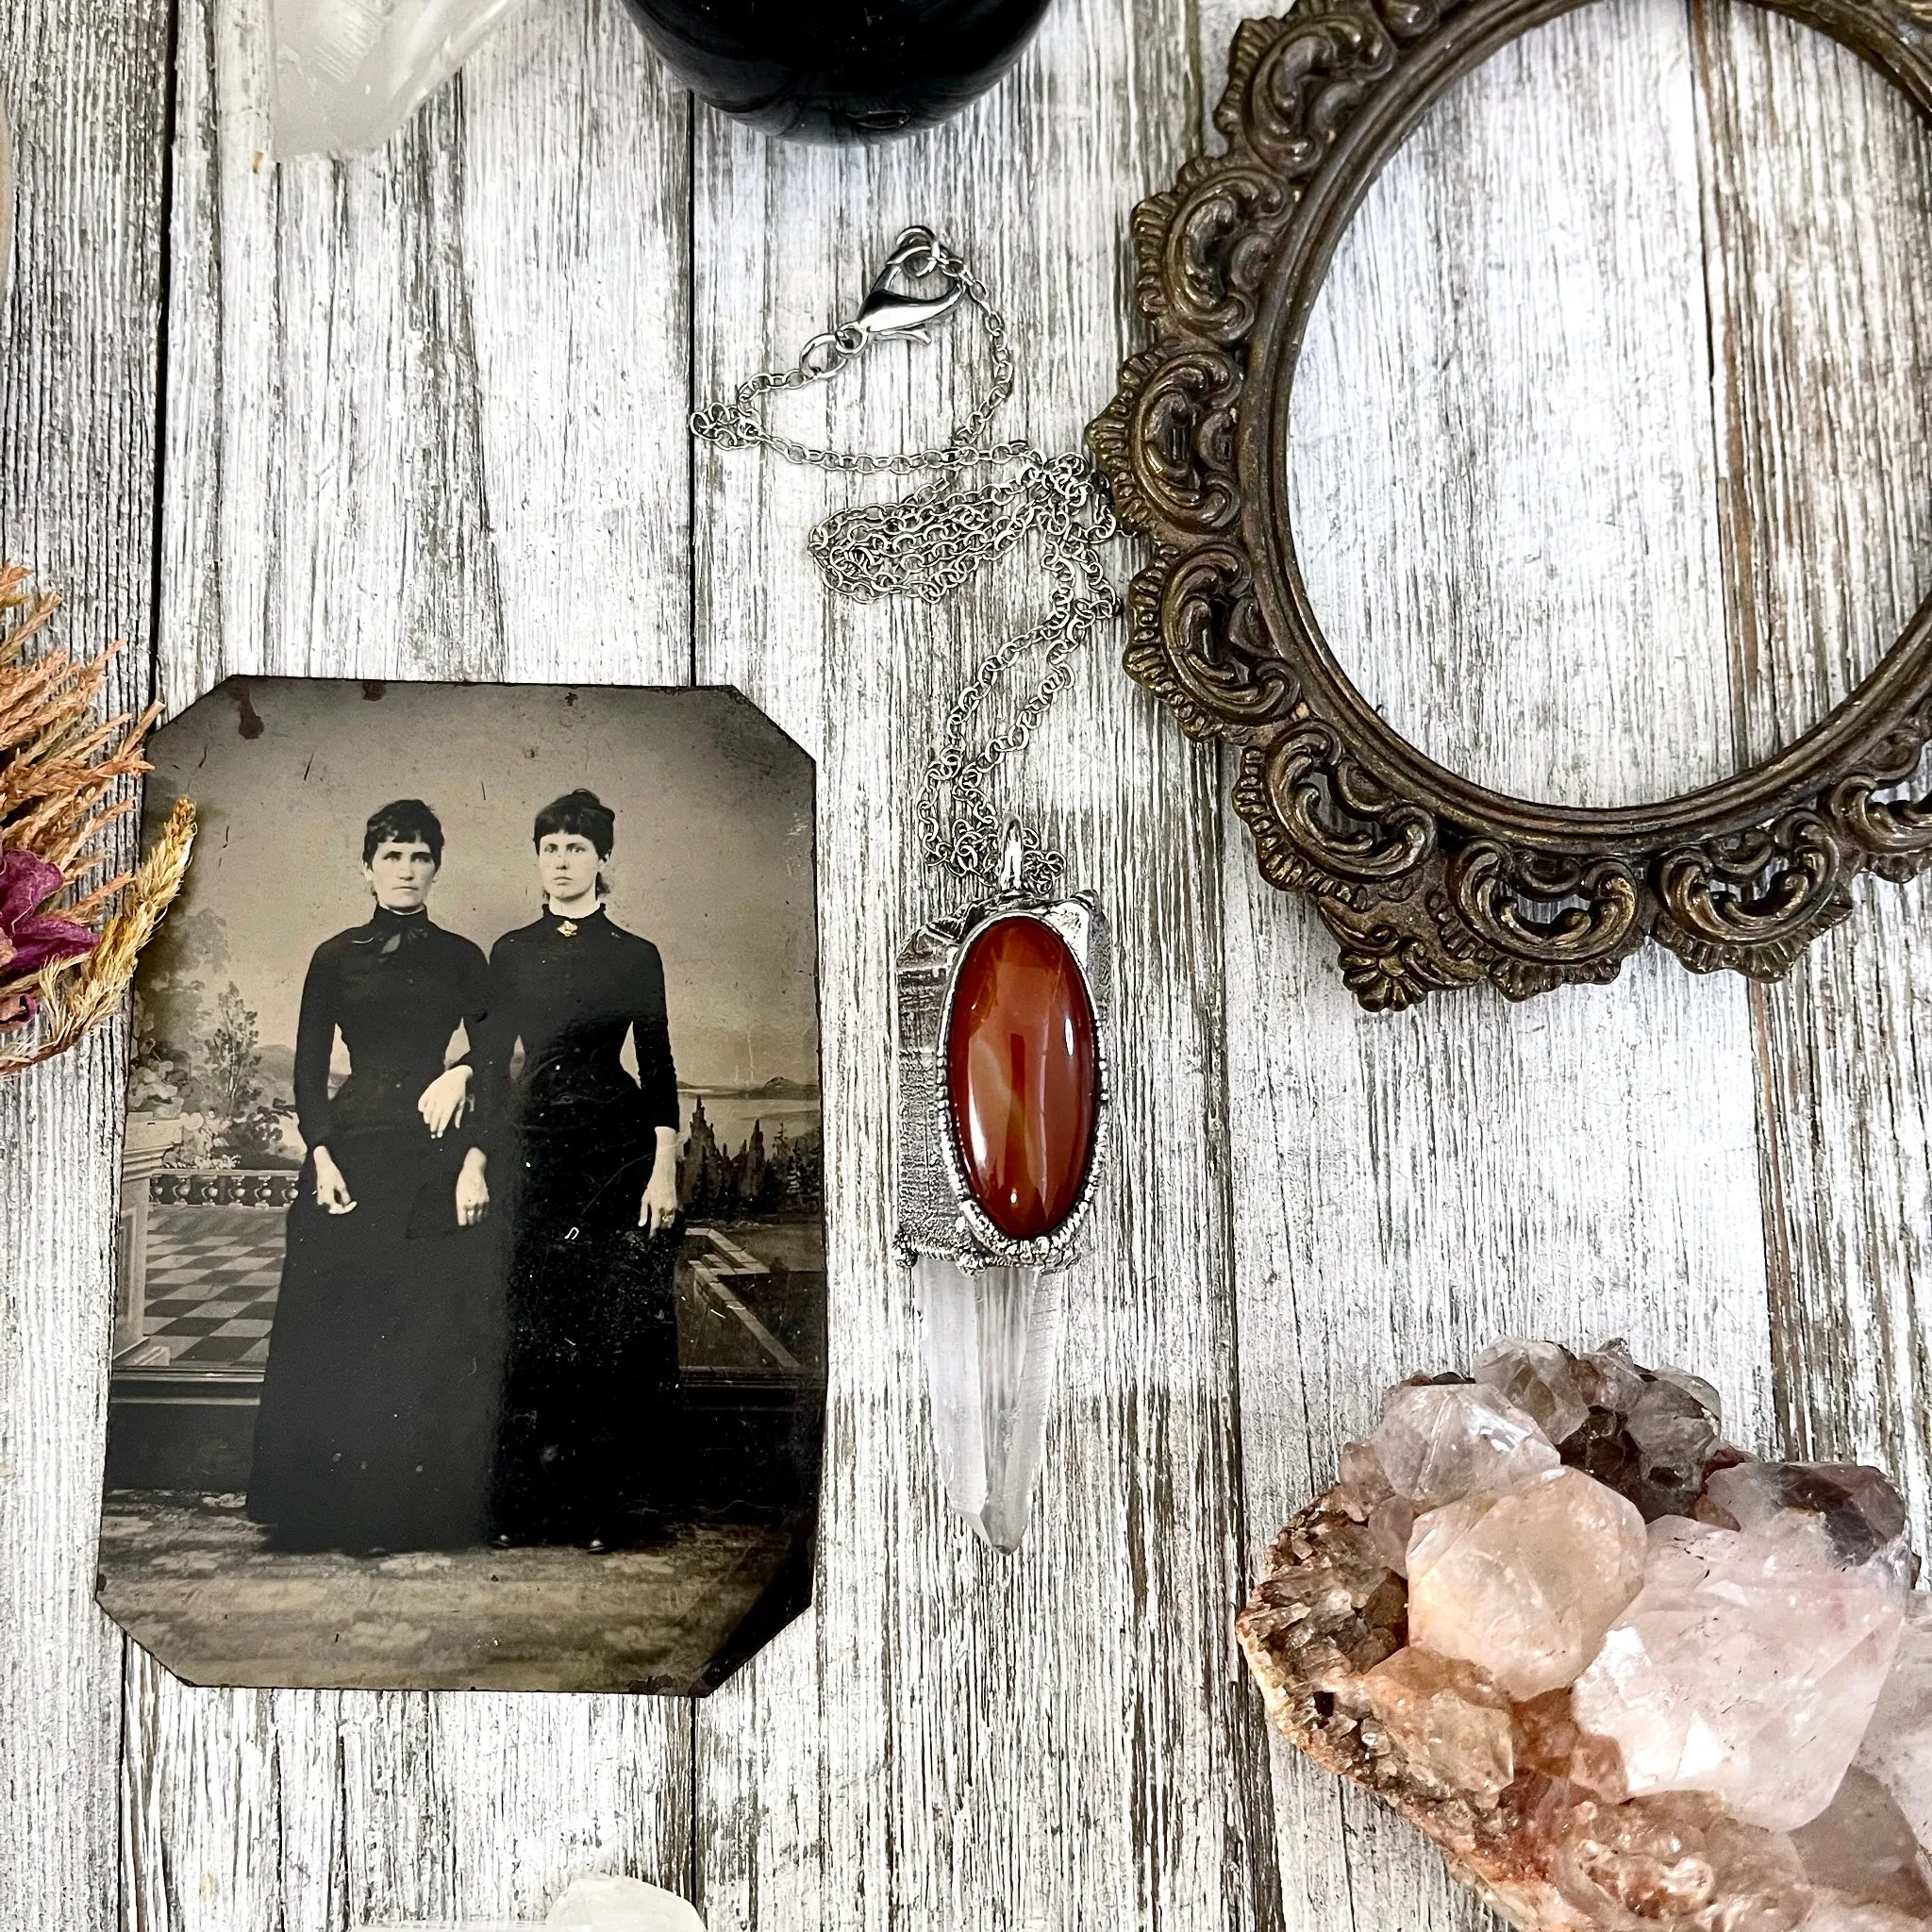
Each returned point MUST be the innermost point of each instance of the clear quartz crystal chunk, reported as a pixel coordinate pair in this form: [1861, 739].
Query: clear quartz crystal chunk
[349, 72]
[1524, 1585]
[1897, 1747]
[1442, 1442]
[1540, 1379]
[1748, 1666]
[1861, 1848]
[992, 1339]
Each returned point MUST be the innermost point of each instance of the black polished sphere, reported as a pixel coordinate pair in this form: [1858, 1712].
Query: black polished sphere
[838, 70]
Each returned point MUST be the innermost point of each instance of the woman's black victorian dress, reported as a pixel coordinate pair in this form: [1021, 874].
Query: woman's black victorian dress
[378, 1408]
[593, 1360]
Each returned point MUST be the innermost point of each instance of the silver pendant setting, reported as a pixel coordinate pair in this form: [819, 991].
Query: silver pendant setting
[937, 1213]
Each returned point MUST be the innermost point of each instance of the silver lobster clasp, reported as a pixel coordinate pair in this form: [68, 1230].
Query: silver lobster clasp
[893, 312]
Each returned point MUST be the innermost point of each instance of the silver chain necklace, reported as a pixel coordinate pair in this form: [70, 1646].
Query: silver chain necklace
[1005, 1012]
[928, 545]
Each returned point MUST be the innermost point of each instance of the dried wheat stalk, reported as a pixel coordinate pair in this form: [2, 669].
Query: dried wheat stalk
[58, 765]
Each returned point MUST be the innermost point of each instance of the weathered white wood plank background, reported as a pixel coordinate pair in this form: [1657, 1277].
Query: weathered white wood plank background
[82, 91]
[1611, 466]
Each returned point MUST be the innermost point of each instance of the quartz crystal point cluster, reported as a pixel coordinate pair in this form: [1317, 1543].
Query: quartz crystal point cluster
[990, 1340]
[1625, 1675]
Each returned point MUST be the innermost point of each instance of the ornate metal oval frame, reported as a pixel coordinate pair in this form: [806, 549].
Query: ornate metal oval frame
[1428, 881]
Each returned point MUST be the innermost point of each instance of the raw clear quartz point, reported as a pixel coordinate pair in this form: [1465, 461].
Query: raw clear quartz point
[991, 1341]
[349, 72]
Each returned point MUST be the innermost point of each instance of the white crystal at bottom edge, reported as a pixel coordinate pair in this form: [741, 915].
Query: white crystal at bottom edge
[602, 1902]
[592, 1902]
[992, 1341]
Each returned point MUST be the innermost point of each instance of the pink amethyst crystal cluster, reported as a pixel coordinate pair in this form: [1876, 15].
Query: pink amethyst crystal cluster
[1627, 1678]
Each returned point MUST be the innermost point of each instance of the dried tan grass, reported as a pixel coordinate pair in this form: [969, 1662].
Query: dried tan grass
[77, 994]
[59, 766]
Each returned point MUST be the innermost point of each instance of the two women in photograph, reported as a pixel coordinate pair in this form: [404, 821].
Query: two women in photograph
[475, 1334]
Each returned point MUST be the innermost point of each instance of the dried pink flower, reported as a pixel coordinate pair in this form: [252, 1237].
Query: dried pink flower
[30, 940]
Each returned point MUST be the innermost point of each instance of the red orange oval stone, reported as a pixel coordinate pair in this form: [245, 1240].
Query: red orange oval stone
[1023, 1076]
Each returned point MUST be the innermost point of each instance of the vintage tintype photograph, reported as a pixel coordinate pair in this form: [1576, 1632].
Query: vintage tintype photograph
[470, 1327]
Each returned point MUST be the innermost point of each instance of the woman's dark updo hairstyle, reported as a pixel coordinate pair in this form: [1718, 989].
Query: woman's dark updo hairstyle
[403, 822]
[582, 813]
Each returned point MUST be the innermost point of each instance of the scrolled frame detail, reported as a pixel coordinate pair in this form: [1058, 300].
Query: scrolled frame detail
[1428, 881]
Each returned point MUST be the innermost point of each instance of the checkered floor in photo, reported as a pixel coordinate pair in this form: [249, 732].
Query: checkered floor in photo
[212, 1273]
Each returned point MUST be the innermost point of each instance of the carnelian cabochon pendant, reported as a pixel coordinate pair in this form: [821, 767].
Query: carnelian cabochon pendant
[1023, 1074]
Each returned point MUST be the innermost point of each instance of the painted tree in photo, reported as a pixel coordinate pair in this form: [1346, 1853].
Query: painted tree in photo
[232, 1086]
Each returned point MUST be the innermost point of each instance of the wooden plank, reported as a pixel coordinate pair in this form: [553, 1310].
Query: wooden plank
[1518, 556]
[424, 419]
[426, 406]
[1504, 484]
[84, 90]
[951, 1737]
[1821, 213]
